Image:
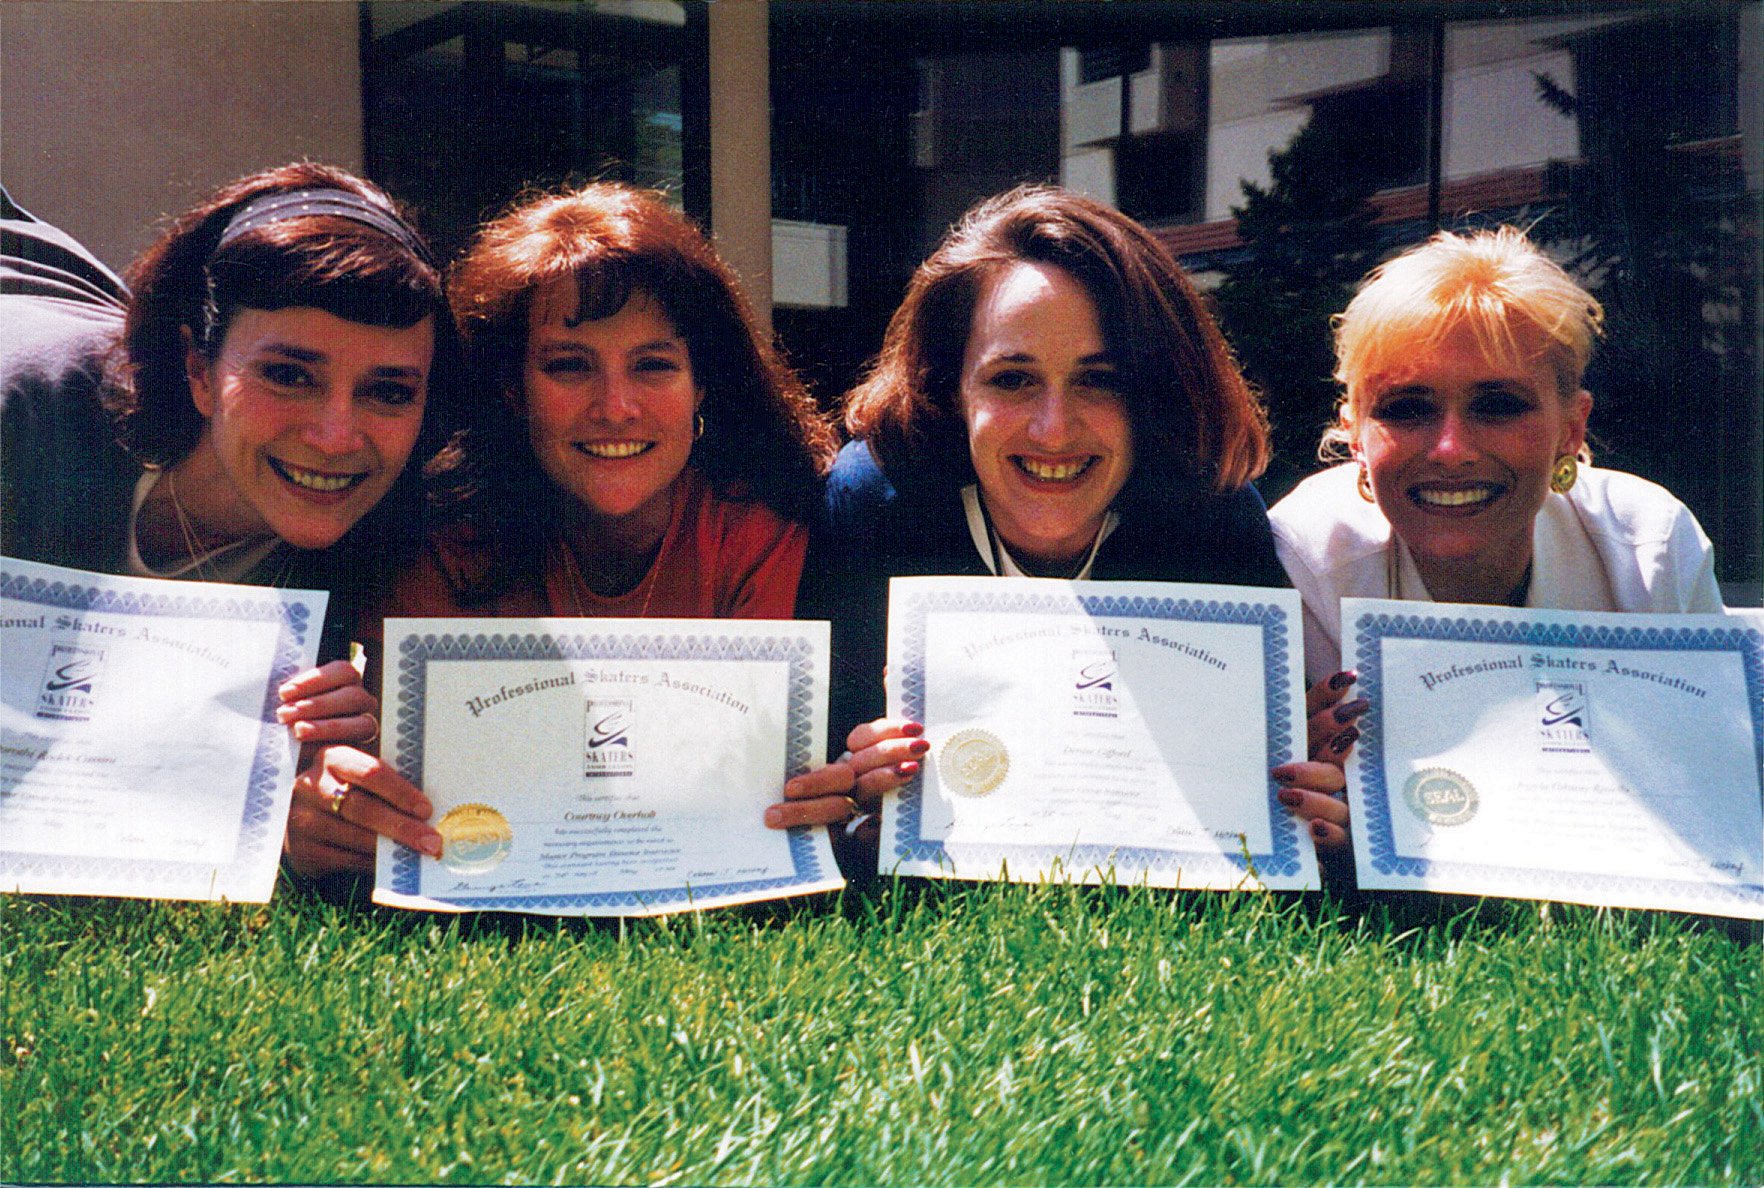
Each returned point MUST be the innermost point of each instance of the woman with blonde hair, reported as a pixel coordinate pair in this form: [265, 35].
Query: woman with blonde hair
[1468, 478]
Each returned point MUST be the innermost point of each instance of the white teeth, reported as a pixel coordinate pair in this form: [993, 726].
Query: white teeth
[612, 449]
[1054, 472]
[312, 480]
[1455, 498]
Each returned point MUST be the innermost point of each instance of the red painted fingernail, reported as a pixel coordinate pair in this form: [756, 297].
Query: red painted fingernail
[1290, 797]
[1319, 831]
[907, 769]
[1284, 772]
[920, 746]
[912, 729]
[1345, 739]
[1343, 679]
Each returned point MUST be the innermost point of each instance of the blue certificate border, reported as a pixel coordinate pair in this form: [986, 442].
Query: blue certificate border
[268, 775]
[417, 652]
[1371, 630]
[909, 842]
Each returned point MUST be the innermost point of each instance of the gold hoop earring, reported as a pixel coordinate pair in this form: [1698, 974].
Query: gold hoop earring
[697, 426]
[1563, 474]
[1363, 485]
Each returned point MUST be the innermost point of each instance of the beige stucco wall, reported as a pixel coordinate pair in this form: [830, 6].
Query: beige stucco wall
[741, 145]
[114, 114]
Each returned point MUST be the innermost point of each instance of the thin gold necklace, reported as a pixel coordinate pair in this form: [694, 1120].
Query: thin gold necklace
[198, 560]
[578, 583]
[192, 544]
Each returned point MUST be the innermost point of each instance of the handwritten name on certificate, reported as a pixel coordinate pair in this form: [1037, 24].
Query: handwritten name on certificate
[1591, 758]
[604, 767]
[1097, 730]
[139, 751]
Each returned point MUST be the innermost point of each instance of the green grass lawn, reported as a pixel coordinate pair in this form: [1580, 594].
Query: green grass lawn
[949, 1034]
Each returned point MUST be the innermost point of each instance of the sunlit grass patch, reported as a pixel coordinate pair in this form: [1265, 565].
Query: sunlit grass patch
[945, 1034]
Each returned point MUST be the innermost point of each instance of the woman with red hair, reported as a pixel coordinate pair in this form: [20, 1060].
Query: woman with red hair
[651, 454]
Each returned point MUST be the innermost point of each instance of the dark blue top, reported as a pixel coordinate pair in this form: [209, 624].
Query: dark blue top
[879, 526]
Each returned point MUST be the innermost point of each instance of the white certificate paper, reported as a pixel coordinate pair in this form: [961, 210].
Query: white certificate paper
[1590, 758]
[139, 751]
[1087, 731]
[604, 767]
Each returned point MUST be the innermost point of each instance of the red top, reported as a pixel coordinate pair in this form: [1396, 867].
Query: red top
[719, 559]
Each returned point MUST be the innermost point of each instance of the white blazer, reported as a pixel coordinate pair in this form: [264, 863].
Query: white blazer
[1615, 542]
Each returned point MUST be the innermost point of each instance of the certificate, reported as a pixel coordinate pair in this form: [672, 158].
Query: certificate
[604, 767]
[1591, 758]
[1091, 731]
[139, 750]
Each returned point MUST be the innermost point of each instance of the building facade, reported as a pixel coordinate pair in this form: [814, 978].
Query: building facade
[829, 144]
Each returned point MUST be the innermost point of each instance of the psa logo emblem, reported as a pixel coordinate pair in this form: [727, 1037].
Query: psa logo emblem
[1562, 717]
[70, 679]
[1093, 684]
[606, 750]
[1098, 674]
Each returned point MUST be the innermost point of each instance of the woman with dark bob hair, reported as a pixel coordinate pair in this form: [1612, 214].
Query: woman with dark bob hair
[1052, 399]
[246, 414]
[657, 457]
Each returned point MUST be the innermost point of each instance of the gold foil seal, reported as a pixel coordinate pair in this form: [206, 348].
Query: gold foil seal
[973, 762]
[474, 838]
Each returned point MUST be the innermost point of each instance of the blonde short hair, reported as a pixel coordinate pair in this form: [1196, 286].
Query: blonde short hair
[1496, 283]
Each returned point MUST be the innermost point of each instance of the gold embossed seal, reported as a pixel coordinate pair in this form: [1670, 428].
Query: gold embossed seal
[1440, 796]
[474, 838]
[973, 762]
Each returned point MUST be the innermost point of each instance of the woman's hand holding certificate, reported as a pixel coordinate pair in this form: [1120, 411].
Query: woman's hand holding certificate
[1091, 731]
[1594, 758]
[140, 749]
[605, 766]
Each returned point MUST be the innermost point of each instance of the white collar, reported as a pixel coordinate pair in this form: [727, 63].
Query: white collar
[998, 559]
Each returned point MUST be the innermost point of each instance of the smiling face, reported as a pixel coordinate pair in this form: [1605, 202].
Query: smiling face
[609, 405]
[1047, 421]
[1459, 448]
[310, 419]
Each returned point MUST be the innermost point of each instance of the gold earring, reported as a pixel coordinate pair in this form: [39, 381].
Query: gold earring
[697, 426]
[1364, 485]
[1563, 474]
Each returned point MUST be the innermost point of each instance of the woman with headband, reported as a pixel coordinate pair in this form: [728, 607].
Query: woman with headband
[657, 459]
[245, 415]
